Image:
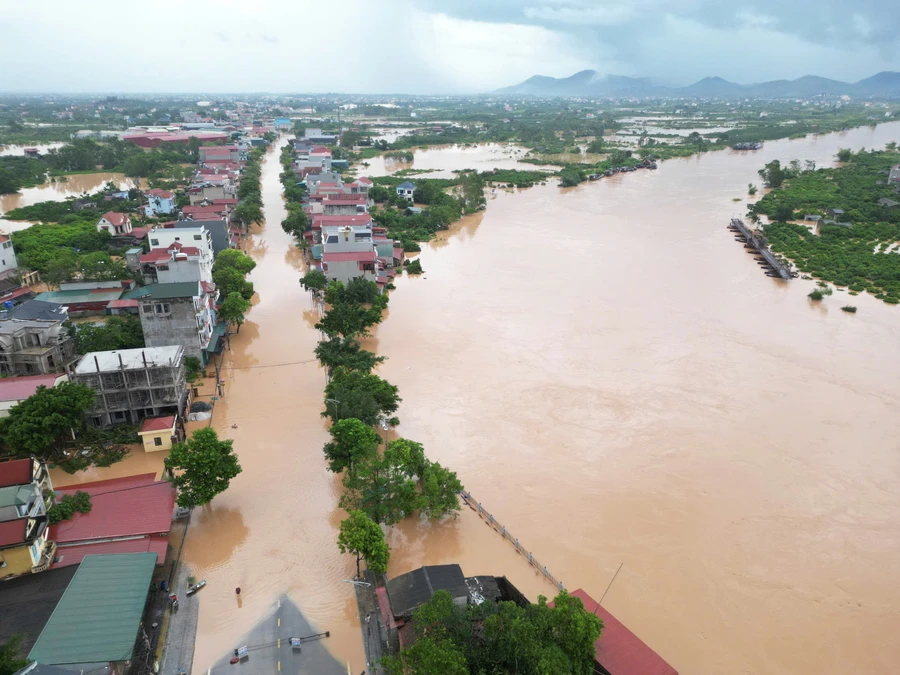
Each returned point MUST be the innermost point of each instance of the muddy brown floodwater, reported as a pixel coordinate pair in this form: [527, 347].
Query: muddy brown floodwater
[617, 381]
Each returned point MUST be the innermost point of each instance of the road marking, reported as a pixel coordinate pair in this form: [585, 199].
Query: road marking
[279, 620]
[279, 666]
[279, 643]
[279, 602]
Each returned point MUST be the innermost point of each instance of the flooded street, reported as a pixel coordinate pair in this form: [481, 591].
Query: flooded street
[644, 395]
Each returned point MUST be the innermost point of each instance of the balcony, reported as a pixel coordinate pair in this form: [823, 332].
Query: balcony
[46, 558]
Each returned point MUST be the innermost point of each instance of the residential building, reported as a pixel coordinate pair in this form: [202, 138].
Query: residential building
[128, 515]
[348, 251]
[98, 618]
[180, 314]
[14, 390]
[193, 234]
[114, 223]
[894, 176]
[344, 205]
[406, 190]
[220, 153]
[133, 384]
[158, 433]
[175, 264]
[35, 346]
[220, 235]
[311, 135]
[8, 262]
[25, 495]
[159, 202]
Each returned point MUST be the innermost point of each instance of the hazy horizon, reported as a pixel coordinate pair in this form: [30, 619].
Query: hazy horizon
[425, 47]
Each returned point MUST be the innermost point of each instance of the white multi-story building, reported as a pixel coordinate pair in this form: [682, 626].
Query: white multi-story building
[8, 261]
[348, 252]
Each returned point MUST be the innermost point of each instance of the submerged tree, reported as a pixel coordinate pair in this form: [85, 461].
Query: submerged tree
[202, 467]
[364, 538]
[351, 441]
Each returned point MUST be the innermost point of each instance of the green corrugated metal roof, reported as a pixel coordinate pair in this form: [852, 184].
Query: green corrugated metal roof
[182, 289]
[316, 251]
[136, 293]
[218, 332]
[98, 616]
[76, 296]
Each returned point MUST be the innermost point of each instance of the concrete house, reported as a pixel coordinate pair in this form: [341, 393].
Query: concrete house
[180, 314]
[894, 175]
[158, 433]
[220, 235]
[194, 235]
[348, 252]
[8, 262]
[175, 264]
[26, 494]
[114, 223]
[159, 202]
[406, 189]
[134, 384]
[33, 340]
[311, 135]
[344, 205]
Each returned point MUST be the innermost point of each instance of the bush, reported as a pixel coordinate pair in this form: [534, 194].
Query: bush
[414, 267]
[816, 295]
[67, 506]
[849, 308]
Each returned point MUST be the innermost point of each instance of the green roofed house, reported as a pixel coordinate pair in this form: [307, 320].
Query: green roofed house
[97, 619]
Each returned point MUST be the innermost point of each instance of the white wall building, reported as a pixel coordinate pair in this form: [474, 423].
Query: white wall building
[8, 262]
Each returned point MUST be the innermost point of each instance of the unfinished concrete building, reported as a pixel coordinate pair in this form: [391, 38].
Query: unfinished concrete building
[133, 384]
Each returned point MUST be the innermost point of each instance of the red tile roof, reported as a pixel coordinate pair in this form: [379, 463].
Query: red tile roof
[120, 507]
[320, 220]
[162, 194]
[348, 256]
[158, 423]
[74, 554]
[116, 218]
[364, 180]
[19, 388]
[12, 531]
[16, 471]
[121, 304]
[620, 651]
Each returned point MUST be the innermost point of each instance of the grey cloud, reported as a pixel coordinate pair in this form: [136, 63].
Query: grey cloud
[271, 39]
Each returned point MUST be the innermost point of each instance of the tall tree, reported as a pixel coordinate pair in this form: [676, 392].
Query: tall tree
[202, 467]
[233, 308]
[314, 280]
[380, 487]
[440, 492]
[340, 353]
[364, 538]
[349, 319]
[427, 656]
[233, 258]
[351, 441]
[45, 422]
[231, 280]
[364, 396]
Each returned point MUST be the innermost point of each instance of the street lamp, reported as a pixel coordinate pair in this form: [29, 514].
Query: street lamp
[336, 404]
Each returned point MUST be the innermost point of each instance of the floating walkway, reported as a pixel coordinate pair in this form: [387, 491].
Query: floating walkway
[503, 532]
[753, 241]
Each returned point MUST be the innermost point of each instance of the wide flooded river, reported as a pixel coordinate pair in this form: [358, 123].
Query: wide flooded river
[440, 161]
[615, 378]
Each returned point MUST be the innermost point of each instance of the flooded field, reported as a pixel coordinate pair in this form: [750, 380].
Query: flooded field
[643, 395]
[18, 150]
[58, 190]
[440, 161]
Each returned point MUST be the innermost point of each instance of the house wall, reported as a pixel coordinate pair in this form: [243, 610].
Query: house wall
[183, 270]
[178, 327]
[8, 261]
[338, 209]
[149, 439]
[21, 559]
[344, 271]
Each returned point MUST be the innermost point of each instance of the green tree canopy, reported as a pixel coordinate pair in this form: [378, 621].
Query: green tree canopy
[119, 332]
[364, 538]
[364, 396]
[202, 467]
[351, 441]
[10, 660]
[44, 423]
[235, 259]
[349, 319]
[314, 280]
[233, 309]
[231, 280]
[379, 486]
[337, 352]
[440, 492]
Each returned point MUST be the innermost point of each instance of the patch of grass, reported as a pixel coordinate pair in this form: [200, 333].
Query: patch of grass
[849, 308]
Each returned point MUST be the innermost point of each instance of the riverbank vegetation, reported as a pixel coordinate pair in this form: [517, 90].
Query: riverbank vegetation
[381, 487]
[853, 247]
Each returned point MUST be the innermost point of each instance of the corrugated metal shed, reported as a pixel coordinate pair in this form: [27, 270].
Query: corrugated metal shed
[413, 589]
[98, 616]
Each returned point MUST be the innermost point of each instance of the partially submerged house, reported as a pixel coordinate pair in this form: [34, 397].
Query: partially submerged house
[406, 190]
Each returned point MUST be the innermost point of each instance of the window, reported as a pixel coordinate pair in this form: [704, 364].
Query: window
[3, 262]
[163, 308]
[148, 309]
[197, 237]
[157, 441]
[177, 238]
[154, 242]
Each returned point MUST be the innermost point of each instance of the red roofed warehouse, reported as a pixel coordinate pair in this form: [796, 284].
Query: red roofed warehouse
[128, 515]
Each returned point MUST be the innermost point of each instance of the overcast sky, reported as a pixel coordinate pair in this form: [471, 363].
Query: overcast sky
[431, 46]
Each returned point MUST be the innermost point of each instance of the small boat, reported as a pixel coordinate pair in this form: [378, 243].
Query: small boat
[196, 587]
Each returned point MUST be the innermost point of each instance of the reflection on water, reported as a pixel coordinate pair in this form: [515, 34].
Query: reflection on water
[57, 190]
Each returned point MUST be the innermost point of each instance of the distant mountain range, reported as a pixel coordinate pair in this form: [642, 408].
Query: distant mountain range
[589, 83]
